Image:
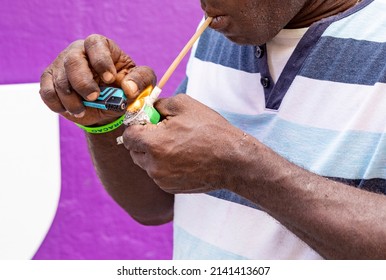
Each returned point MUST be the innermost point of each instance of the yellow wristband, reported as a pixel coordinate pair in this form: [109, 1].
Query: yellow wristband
[105, 128]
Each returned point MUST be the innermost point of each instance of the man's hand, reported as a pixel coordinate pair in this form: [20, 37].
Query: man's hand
[190, 151]
[79, 71]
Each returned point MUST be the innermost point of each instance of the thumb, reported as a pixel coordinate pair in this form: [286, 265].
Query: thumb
[135, 80]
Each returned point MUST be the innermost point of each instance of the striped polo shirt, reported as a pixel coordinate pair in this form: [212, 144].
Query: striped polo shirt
[326, 112]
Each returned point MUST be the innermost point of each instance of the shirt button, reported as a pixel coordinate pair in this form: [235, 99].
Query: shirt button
[259, 52]
[265, 82]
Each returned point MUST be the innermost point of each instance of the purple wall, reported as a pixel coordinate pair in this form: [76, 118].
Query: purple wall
[88, 224]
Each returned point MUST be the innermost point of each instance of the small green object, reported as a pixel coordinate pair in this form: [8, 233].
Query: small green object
[152, 113]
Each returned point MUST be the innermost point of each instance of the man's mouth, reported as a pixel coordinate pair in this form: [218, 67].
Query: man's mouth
[219, 22]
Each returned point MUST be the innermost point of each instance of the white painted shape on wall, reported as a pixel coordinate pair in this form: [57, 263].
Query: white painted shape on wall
[29, 170]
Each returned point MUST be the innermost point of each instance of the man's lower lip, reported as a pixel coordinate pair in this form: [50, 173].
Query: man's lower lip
[219, 22]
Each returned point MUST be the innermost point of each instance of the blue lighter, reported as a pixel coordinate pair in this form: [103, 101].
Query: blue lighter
[110, 98]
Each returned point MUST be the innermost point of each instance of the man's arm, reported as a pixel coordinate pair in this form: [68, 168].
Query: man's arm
[76, 75]
[337, 220]
[207, 153]
[128, 184]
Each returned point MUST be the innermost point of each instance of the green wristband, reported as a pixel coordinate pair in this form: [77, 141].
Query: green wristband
[105, 128]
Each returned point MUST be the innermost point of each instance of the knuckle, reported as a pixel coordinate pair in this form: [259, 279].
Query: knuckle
[157, 150]
[175, 102]
[125, 61]
[48, 95]
[154, 172]
[180, 98]
[70, 61]
[93, 39]
[46, 73]
[96, 43]
[131, 139]
[76, 45]
[61, 83]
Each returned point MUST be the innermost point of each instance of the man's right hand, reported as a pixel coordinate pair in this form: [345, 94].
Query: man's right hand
[78, 72]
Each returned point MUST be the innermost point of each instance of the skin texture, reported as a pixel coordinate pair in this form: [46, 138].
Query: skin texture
[195, 150]
[255, 22]
[69, 79]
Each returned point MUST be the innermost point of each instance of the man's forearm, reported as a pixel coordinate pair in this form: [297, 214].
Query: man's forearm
[338, 221]
[128, 184]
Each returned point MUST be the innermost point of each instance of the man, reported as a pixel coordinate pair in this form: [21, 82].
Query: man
[291, 165]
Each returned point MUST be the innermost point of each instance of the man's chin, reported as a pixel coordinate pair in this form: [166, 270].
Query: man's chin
[240, 40]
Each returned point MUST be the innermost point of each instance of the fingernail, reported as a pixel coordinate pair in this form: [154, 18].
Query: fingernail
[132, 86]
[92, 96]
[80, 115]
[108, 77]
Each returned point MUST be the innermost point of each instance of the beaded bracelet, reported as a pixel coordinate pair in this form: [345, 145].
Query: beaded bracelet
[105, 128]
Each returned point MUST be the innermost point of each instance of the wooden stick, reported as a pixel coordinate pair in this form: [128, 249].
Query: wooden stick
[157, 90]
[184, 51]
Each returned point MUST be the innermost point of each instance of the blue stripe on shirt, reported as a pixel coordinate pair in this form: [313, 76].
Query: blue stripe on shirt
[341, 154]
[226, 53]
[197, 248]
[342, 60]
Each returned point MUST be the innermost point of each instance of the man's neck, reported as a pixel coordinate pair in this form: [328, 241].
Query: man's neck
[316, 10]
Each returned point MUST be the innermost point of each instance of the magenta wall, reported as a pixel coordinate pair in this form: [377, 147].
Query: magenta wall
[88, 224]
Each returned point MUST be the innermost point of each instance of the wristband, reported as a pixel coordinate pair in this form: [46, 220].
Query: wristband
[105, 128]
